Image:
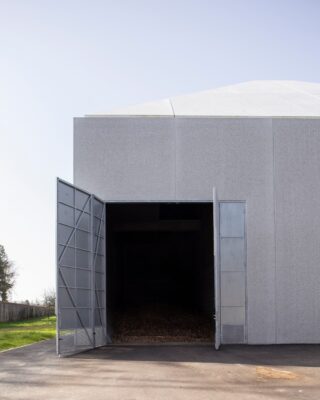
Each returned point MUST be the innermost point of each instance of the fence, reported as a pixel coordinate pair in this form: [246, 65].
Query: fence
[16, 312]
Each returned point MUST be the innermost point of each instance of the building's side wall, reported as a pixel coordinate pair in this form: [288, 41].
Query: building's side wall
[128, 159]
[297, 206]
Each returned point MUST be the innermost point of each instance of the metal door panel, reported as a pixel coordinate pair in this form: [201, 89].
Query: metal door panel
[69, 277]
[233, 289]
[66, 215]
[77, 242]
[99, 268]
[233, 334]
[232, 254]
[232, 242]
[66, 256]
[65, 194]
[232, 219]
[233, 316]
[216, 251]
[63, 234]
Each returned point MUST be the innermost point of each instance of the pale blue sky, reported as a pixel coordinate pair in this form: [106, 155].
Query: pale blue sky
[60, 59]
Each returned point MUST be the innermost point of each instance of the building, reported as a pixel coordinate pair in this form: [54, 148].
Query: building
[208, 201]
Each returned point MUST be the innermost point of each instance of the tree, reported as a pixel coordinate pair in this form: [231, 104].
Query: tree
[7, 274]
[49, 299]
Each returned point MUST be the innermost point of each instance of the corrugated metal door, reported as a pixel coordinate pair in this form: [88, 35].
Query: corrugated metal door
[80, 270]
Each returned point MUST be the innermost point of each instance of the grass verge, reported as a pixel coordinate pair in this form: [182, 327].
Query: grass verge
[20, 333]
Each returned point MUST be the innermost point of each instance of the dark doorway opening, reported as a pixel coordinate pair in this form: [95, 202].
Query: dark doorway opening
[160, 277]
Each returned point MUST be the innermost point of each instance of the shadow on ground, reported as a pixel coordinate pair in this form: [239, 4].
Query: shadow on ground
[275, 355]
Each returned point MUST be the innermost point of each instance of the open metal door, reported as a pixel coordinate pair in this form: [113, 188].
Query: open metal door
[80, 270]
[99, 271]
[232, 257]
[216, 246]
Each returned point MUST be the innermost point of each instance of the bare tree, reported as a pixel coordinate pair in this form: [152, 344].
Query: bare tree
[49, 299]
[7, 274]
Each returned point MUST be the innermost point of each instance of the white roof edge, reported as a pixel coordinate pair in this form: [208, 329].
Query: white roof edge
[199, 116]
[248, 99]
[156, 108]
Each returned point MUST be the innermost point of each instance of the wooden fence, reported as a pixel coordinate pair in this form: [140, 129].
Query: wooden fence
[16, 311]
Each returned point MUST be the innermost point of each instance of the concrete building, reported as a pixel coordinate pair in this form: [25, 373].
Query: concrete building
[206, 202]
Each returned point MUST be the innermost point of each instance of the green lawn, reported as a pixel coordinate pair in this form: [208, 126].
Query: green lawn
[20, 333]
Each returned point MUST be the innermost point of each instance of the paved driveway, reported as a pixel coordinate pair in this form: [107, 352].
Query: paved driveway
[162, 372]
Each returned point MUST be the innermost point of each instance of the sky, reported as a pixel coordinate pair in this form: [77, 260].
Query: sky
[62, 59]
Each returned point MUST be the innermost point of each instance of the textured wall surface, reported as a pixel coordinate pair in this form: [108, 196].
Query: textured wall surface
[125, 158]
[297, 205]
[182, 159]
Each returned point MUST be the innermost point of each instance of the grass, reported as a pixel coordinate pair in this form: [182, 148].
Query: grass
[20, 333]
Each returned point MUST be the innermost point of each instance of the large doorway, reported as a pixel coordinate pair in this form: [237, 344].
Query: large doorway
[160, 272]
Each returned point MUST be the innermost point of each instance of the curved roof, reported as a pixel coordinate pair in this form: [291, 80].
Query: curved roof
[253, 98]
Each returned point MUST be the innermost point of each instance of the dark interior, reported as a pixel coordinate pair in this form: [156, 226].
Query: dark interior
[160, 272]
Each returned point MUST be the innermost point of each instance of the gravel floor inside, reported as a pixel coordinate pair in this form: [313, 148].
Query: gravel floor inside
[161, 324]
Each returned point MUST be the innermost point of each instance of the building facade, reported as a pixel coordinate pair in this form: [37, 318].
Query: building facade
[257, 145]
